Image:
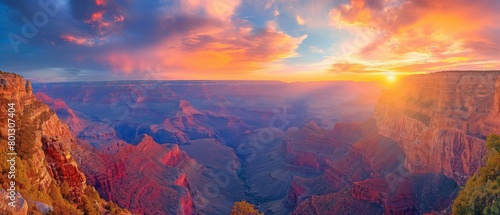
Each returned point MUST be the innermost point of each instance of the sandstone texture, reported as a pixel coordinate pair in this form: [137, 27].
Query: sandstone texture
[441, 120]
[50, 143]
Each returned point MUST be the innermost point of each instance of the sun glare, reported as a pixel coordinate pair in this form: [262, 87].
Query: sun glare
[391, 77]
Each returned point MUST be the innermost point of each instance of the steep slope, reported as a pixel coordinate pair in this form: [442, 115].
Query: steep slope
[371, 179]
[273, 160]
[348, 169]
[152, 178]
[99, 134]
[129, 173]
[441, 120]
[47, 176]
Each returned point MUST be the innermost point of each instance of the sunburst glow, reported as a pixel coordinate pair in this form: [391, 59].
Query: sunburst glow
[391, 76]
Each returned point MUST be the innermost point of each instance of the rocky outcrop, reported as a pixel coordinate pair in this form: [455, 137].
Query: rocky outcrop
[187, 204]
[295, 192]
[99, 134]
[312, 148]
[414, 194]
[337, 203]
[15, 88]
[441, 120]
[63, 168]
[372, 172]
[151, 178]
[44, 145]
[51, 158]
[20, 207]
[373, 190]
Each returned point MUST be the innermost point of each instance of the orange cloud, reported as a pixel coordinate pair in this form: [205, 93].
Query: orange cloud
[97, 21]
[101, 2]
[276, 12]
[119, 18]
[421, 35]
[97, 16]
[104, 22]
[348, 67]
[220, 9]
[213, 52]
[358, 13]
[202, 39]
[78, 40]
[300, 21]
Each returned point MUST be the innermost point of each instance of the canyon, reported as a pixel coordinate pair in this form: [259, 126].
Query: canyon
[196, 147]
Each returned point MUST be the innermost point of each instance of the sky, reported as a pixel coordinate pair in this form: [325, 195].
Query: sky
[286, 40]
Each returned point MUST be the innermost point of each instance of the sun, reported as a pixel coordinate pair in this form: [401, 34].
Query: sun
[391, 77]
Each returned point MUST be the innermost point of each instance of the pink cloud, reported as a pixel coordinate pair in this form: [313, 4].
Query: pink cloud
[300, 21]
[105, 25]
[220, 9]
[213, 43]
[210, 51]
[442, 33]
[78, 40]
[101, 2]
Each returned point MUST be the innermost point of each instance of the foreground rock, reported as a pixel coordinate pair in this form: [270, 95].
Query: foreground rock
[47, 175]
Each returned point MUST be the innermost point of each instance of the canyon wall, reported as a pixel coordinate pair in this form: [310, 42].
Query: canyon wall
[441, 120]
[44, 160]
[52, 139]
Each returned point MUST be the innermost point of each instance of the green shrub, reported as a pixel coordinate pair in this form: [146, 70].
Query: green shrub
[481, 194]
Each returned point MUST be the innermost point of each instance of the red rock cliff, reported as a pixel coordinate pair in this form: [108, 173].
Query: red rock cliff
[441, 120]
[51, 143]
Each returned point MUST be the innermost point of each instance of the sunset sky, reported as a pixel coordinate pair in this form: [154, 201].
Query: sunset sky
[287, 40]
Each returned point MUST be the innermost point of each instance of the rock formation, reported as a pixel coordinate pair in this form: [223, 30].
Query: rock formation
[44, 146]
[152, 178]
[441, 120]
[20, 208]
